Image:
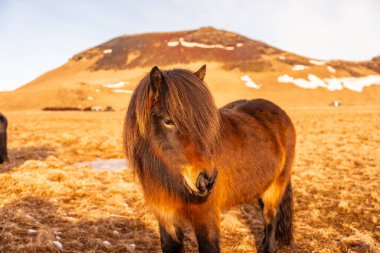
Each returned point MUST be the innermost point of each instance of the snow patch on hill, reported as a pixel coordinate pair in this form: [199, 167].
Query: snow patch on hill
[115, 85]
[173, 43]
[331, 69]
[184, 43]
[123, 91]
[249, 83]
[352, 83]
[299, 67]
[316, 62]
[107, 51]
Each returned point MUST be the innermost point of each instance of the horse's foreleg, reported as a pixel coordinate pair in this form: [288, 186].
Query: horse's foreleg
[208, 241]
[171, 241]
[207, 232]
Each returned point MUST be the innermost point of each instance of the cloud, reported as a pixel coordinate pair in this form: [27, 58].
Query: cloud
[329, 29]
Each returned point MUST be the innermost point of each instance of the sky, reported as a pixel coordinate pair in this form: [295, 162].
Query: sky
[39, 35]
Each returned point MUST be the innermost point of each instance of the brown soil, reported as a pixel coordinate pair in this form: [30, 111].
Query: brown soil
[45, 201]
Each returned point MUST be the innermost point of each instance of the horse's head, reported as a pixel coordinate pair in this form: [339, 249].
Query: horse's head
[176, 114]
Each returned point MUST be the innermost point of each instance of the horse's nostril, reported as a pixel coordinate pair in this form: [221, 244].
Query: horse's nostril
[203, 173]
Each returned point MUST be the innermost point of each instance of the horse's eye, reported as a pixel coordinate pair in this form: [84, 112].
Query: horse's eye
[168, 122]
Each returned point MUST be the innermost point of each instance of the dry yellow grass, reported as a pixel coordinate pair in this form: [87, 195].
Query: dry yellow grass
[48, 205]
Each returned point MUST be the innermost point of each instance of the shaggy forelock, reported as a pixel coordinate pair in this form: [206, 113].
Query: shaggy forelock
[187, 101]
[191, 106]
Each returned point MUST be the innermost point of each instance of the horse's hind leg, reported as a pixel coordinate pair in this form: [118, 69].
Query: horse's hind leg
[171, 241]
[269, 203]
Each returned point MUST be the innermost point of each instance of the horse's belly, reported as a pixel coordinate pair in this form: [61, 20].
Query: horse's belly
[245, 183]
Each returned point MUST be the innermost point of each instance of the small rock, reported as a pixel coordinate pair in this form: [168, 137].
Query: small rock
[69, 218]
[58, 244]
[343, 204]
[31, 231]
[107, 244]
[29, 217]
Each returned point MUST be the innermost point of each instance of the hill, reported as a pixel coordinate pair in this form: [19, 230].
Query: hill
[238, 67]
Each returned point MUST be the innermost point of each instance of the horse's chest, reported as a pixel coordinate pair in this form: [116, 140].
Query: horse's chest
[168, 213]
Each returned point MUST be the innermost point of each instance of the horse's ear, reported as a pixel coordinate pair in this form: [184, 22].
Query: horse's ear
[201, 73]
[156, 81]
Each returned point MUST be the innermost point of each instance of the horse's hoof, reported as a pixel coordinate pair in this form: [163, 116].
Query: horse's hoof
[268, 249]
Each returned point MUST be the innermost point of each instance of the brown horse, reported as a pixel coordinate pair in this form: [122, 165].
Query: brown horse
[194, 160]
[3, 139]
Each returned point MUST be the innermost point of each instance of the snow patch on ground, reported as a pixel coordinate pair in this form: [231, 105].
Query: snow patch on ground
[281, 57]
[123, 91]
[107, 51]
[184, 43]
[316, 62]
[249, 83]
[239, 44]
[352, 83]
[299, 67]
[90, 98]
[115, 85]
[106, 165]
[331, 69]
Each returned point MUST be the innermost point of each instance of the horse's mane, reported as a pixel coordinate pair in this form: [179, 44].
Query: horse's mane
[186, 100]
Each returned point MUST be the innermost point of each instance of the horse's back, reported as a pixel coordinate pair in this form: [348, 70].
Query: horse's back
[261, 123]
[265, 113]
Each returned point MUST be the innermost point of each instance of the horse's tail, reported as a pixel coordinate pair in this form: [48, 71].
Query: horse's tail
[284, 230]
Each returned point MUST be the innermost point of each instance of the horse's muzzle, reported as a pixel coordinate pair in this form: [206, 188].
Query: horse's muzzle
[205, 182]
[205, 185]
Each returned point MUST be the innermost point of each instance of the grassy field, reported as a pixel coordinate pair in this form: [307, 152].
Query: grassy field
[49, 205]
